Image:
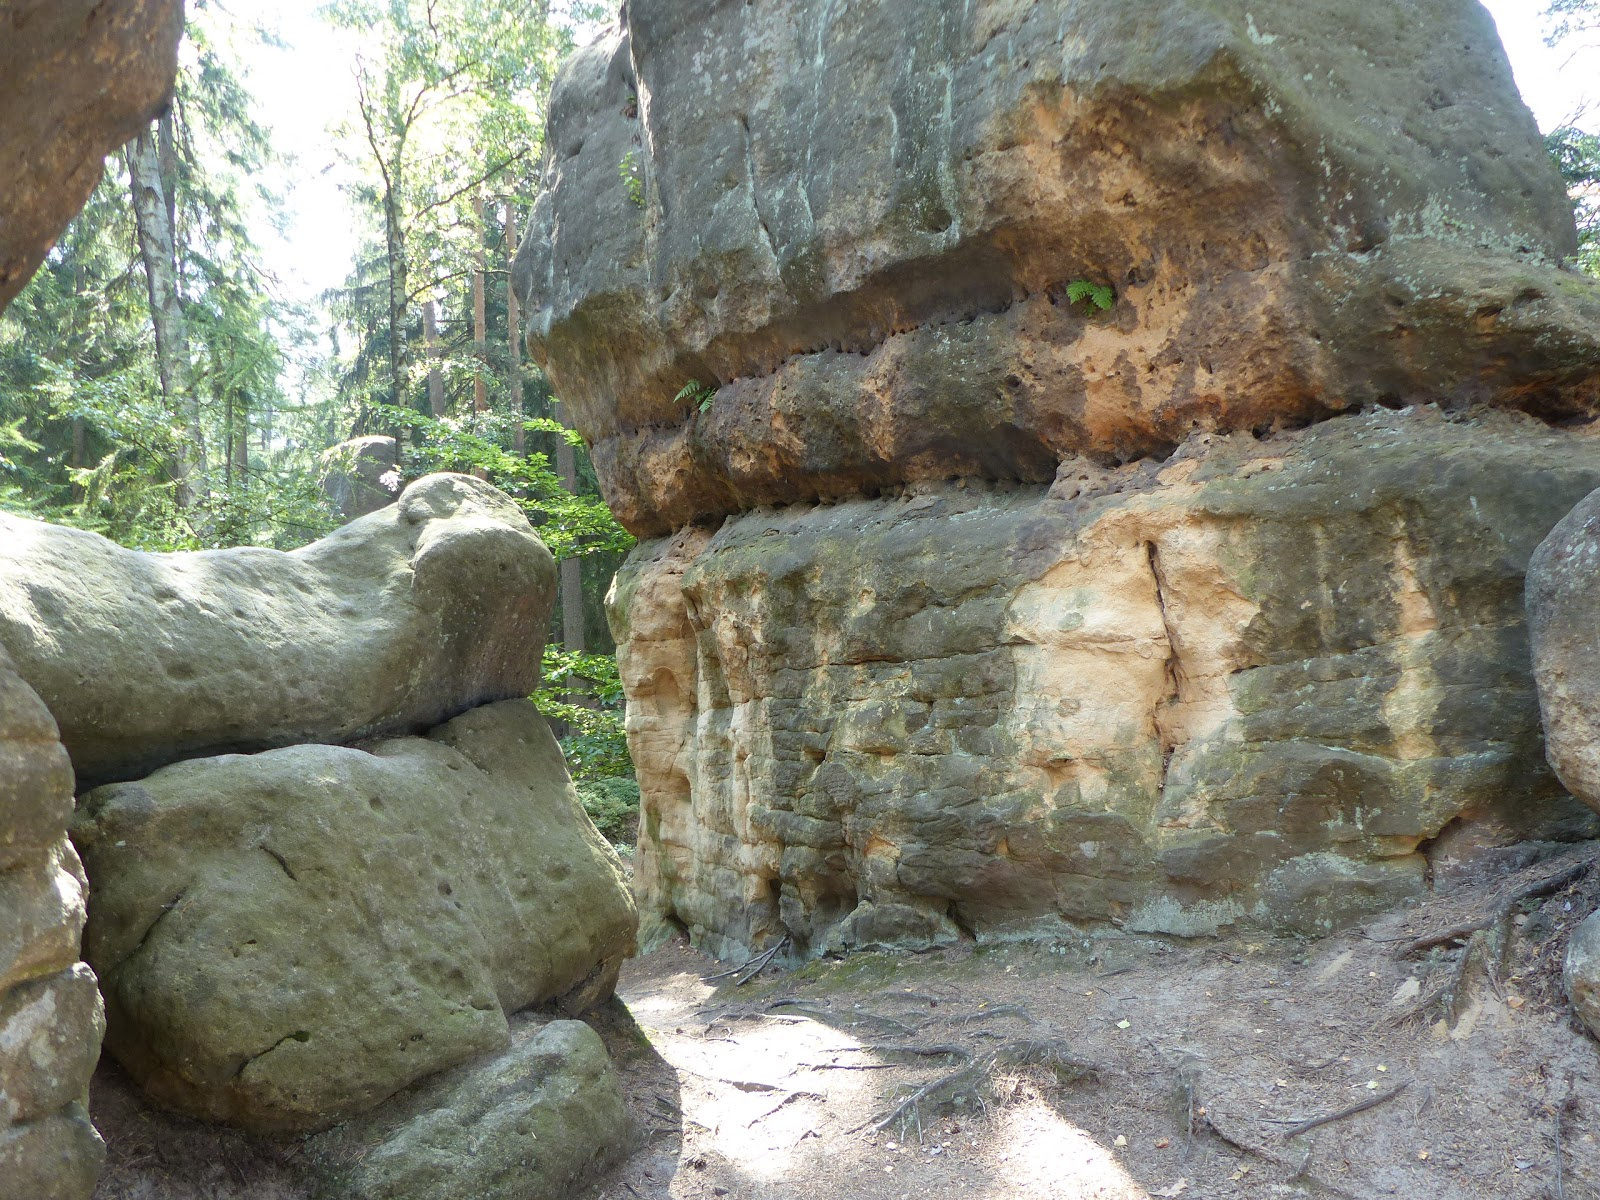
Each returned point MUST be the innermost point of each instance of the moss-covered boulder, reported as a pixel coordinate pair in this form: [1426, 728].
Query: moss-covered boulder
[396, 622]
[286, 939]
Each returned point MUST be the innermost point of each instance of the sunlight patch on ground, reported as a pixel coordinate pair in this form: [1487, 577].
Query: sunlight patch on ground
[1038, 1154]
[766, 1091]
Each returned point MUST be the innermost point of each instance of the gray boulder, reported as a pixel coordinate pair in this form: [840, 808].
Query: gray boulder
[78, 78]
[287, 939]
[353, 475]
[50, 1014]
[1582, 972]
[529, 1123]
[396, 622]
[1563, 600]
[57, 1158]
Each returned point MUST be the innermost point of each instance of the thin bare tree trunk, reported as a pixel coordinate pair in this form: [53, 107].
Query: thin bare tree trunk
[157, 248]
[430, 338]
[519, 443]
[572, 630]
[480, 333]
[394, 247]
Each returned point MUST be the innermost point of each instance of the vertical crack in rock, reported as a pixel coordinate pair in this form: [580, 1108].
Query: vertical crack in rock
[755, 196]
[1174, 669]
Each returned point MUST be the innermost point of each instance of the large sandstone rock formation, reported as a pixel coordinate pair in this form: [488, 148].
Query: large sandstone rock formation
[1247, 687]
[78, 78]
[859, 221]
[291, 937]
[1017, 679]
[50, 1014]
[392, 624]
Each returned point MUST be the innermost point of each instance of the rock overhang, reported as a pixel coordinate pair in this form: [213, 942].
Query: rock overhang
[858, 222]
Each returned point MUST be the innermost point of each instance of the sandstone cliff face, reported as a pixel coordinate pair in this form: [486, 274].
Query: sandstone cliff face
[1245, 688]
[1021, 616]
[859, 221]
[78, 78]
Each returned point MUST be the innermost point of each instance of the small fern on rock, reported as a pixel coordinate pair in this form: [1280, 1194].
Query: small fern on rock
[698, 394]
[1100, 295]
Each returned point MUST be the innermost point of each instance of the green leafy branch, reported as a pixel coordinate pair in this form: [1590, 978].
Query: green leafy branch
[632, 177]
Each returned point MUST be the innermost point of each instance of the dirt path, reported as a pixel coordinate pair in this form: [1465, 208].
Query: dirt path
[1119, 1069]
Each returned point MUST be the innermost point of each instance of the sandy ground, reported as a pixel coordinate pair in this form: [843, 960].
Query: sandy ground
[1113, 1067]
[1204, 1059]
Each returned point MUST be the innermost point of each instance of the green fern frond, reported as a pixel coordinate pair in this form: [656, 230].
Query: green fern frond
[699, 394]
[1098, 294]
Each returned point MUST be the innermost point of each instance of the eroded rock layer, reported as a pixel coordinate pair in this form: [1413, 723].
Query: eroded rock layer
[392, 624]
[51, 1018]
[861, 223]
[1246, 687]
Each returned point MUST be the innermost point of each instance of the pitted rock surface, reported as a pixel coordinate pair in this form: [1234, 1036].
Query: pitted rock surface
[859, 222]
[393, 624]
[289, 938]
[1243, 689]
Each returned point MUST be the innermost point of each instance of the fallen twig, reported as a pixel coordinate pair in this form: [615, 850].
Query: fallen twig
[791, 1096]
[1000, 1010]
[758, 961]
[1370, 1102]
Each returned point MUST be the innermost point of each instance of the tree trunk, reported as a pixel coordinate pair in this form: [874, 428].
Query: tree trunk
[395, 250]
[480, 335]
[572, 630]
[519, 444]
[430, 338]
[158, 250]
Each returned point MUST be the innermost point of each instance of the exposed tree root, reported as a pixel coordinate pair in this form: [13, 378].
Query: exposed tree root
[1485, 935]
[971, 1087]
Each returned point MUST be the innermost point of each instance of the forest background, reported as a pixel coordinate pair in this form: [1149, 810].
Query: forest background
[177, 373]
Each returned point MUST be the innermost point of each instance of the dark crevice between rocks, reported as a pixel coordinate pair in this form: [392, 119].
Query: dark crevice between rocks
[167, 909]
[1174, 669]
